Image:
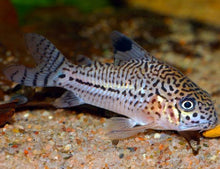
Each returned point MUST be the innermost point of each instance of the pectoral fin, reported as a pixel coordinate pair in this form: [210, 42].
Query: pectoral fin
[121, 127]
[68, 99]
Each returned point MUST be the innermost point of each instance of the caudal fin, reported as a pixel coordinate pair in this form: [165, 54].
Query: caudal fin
[49, 63]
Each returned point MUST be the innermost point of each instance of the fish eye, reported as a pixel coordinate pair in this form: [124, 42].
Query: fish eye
[188, 104]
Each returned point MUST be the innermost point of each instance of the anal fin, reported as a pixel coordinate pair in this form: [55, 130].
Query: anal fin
[68, 99]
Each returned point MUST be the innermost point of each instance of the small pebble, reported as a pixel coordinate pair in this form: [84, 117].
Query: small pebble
[26, 115]
[132, 149]
[50, 117]
[46, 113]
[67, 156]
[157, 135]
[121, 155]
[36, 152]
[213, 157]
[67, 147]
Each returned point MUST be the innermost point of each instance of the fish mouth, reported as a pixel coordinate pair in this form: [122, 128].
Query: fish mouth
[200, 127]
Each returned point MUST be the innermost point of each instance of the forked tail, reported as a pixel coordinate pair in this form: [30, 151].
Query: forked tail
[49, 63]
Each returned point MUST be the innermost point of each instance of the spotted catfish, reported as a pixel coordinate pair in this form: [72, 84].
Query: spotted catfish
[150, 93]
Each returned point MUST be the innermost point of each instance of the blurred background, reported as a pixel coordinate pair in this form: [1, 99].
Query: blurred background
[75, 20]
[203, 10]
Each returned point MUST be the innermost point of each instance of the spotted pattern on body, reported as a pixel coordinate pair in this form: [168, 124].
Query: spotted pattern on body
[149, 92]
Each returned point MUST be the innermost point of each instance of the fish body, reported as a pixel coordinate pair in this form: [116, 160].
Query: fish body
[149, 92]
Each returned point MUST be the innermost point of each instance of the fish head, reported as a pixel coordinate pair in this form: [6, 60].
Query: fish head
[196, 109]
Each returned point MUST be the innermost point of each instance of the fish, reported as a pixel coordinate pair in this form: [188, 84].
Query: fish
[146, 92]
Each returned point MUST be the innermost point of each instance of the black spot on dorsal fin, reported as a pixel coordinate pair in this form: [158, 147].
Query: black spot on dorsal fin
[122, 44]
[126, 49]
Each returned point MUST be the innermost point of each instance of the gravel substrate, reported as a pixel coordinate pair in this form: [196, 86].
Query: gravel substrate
[64, 139]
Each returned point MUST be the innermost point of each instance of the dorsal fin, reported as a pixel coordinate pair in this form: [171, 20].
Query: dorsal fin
[126, 49]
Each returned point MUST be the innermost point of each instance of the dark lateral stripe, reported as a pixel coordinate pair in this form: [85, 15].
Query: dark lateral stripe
[113, 90]
[24, 76]
[96, 86]
[84, 83]
[103, 88]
